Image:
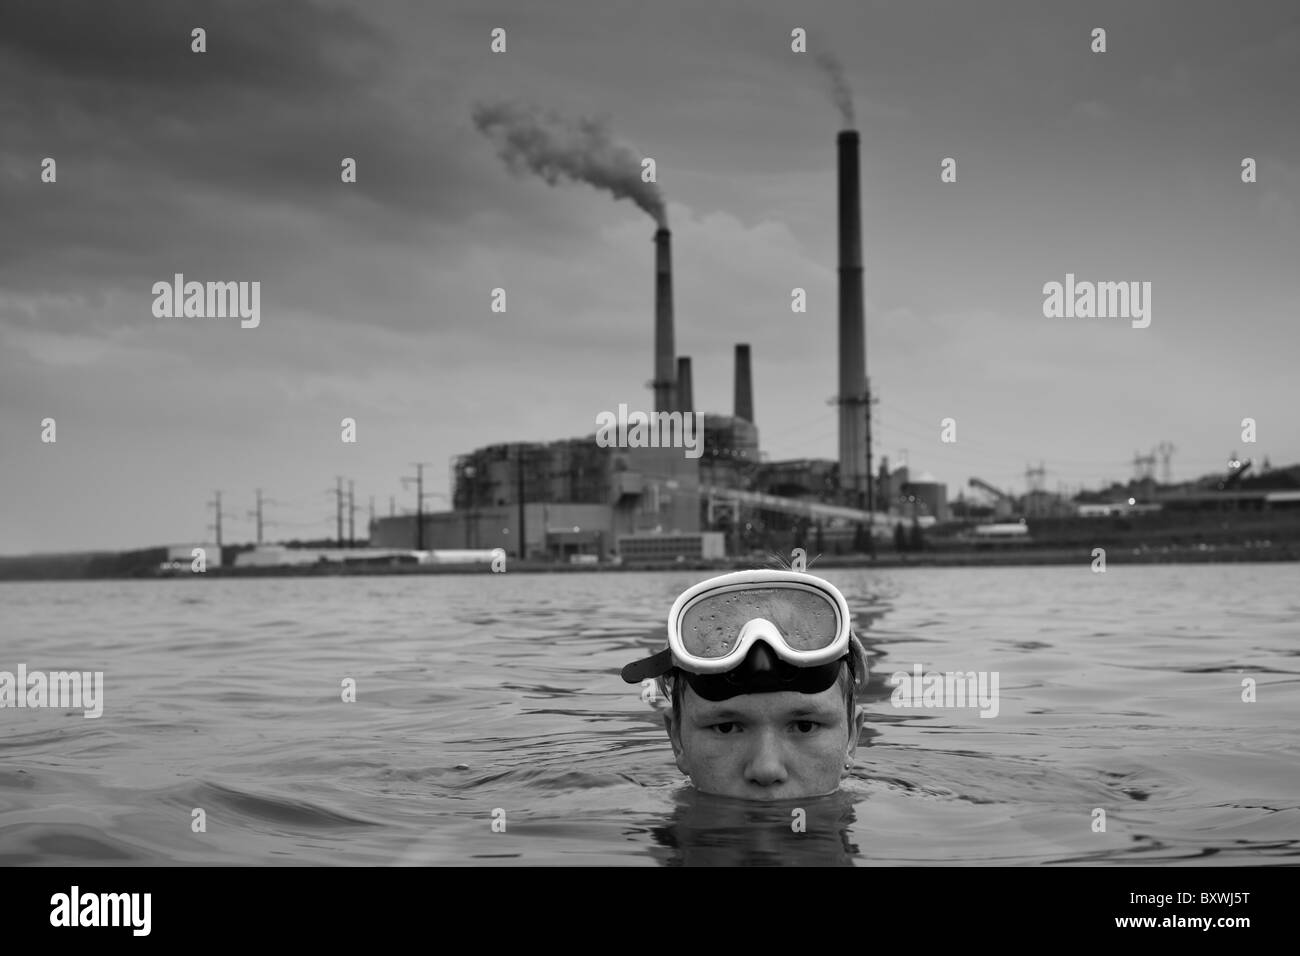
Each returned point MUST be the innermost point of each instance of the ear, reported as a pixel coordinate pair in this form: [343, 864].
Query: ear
[674, 729]
[859, 718]
[861, 663]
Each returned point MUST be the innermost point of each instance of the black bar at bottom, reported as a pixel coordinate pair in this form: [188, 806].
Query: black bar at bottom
[1147, 906]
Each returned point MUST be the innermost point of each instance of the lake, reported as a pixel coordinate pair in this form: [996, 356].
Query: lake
[490, 726]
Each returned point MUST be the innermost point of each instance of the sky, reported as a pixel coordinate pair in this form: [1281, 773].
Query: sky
[376, 295]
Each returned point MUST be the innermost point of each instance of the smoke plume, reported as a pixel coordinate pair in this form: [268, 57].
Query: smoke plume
[585, 150]
[840, 91]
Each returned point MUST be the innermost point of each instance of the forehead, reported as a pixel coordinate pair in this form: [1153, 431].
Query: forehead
[827, 705]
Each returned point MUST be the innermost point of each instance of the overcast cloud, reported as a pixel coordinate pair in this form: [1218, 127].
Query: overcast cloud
[375, 296]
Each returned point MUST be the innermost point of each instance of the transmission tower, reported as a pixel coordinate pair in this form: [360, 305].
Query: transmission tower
[1166, 451]
[1144, 467]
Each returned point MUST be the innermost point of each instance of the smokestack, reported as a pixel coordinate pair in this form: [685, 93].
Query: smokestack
[685, 390]
[852, 330]
[665, 373]
[744, 385]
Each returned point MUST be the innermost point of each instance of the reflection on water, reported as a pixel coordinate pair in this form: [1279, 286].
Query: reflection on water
[719, 831]
[490, 725]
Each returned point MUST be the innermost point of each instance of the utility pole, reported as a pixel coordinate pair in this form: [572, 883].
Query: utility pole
[257, 513]
[419, 502]
[338, 511]
[871, 497]
[392, 506]
[352, 515]
[523, 546]
[370, 528]
[216, 503]
[871, 482]
[419, 508]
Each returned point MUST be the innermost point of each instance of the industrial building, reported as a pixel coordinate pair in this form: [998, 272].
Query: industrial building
[575, 499]
[581, 500]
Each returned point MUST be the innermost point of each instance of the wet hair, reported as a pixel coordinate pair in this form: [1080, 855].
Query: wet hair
[672, 686]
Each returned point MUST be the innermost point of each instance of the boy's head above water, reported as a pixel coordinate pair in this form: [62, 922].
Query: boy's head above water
[770, 745]
[779, 723]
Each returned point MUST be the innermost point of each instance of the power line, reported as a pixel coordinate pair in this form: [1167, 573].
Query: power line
[977, 444]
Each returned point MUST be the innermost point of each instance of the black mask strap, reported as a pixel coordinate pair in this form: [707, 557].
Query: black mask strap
[781, 677]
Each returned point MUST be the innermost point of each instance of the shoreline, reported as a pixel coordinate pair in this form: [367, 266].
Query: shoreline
[1018, 557]
[132, 567]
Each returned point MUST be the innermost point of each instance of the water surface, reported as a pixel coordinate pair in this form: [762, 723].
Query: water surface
[496, 697]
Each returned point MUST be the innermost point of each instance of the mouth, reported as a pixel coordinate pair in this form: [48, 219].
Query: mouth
[782, 795]
[787, 794]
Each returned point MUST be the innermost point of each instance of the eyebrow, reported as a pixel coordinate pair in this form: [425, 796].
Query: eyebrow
[721, 715]
[801, 713]
[822, 713]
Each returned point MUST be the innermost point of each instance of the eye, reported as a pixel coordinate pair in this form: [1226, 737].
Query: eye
[724, 728]
[806, 726]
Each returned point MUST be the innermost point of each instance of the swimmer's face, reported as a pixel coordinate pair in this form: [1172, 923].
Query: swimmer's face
[774, 746]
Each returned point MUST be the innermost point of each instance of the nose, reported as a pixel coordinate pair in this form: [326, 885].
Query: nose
[759, 659]
[765, 766]
[766, 636]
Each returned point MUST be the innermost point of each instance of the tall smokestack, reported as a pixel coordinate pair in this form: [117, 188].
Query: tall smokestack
[744, 385]
[685, 390]
[852, 331]
[665, 374]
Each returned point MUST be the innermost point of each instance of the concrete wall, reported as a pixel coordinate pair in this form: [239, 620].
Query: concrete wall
[669, 500]
[547, 527]
[667, 548]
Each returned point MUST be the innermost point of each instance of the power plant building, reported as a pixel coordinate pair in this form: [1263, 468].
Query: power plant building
[577, 498]
[570, 497]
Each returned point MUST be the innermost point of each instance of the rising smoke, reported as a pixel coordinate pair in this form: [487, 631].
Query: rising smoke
[840, 91]
[543, 142]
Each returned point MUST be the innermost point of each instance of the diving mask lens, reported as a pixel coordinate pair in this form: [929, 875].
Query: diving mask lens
[805, 618]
